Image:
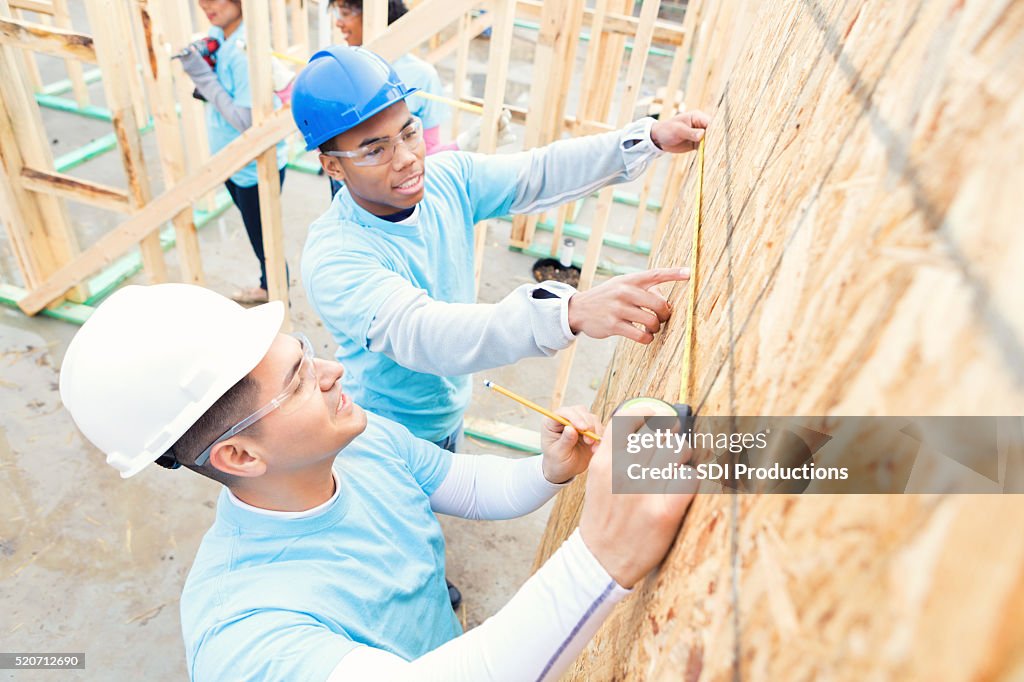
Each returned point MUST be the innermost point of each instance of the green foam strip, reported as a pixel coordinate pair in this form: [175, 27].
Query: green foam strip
[71, 106]
[68, 312]
[578, 231]
[62, 86]
[90, 150]
[513, 444]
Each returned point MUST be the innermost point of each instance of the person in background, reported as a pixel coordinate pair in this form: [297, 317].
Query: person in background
[226, 88]
[415, 73]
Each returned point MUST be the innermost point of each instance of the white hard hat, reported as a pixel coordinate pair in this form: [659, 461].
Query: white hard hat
[151, 360]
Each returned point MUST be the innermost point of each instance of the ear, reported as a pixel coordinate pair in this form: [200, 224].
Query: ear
[332, 166]
[234, 458]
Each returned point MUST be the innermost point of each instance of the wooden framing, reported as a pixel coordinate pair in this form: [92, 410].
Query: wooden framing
[460, 42]
[37, 224]
[637, 62]
[116, 59]
[178, 26]
[416, 27]
[669, 108]
[665, 33]
[258, 41]
[494, 97]
[278, 25]
[299, 12]
[190, 172]
[191, 175]
[151, 217]
[549, 65]
[47, 39]
[37, 6]
[471, 28]
[76, 189]
[31, 67]
[156, 70]
[269, 128]
[375, 19]
[62, 18]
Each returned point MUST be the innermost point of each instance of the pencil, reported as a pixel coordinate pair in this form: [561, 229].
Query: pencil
[534, 406]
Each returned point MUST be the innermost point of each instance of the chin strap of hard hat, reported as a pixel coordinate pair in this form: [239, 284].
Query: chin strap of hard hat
[168, 460]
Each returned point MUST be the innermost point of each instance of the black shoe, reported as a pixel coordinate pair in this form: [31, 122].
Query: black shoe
[454, 595]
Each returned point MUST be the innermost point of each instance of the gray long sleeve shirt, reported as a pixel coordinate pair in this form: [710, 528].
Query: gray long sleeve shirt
[399, 297]
[417, 331]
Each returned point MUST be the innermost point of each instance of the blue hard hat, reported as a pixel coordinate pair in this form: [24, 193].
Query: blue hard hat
[340, 88]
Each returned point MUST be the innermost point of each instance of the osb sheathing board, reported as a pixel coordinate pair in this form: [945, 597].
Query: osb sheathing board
[862, 253]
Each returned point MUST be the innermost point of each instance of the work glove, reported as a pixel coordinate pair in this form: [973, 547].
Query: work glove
[283, 78]
[469, 140]
[194, 63]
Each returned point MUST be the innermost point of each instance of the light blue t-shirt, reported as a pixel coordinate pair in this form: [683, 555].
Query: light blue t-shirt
[417, 73]
[353, 261]
[232, 71]
[272, 598]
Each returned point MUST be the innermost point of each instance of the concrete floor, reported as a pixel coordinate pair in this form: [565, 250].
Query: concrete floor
[92, 563]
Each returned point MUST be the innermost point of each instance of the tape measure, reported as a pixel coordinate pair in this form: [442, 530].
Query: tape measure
[684, 384]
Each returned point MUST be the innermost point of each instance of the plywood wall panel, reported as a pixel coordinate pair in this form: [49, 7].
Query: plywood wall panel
[860, 254]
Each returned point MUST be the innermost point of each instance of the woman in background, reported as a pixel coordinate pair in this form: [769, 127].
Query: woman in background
[226, 88]
[415, 73]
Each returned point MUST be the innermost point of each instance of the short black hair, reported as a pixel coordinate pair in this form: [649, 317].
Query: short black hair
[396, 8]
[328, 145]
[235, 405]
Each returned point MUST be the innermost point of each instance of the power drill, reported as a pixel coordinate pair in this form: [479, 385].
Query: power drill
[207, 49]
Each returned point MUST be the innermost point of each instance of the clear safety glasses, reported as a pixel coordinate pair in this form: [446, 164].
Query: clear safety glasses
[302, 385]
[342, 12]
[383, 150]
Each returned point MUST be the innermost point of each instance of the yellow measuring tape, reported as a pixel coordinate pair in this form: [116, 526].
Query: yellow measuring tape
[684, 384]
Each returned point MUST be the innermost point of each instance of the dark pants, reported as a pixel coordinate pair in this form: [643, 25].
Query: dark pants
[451, 441]
[247, 199]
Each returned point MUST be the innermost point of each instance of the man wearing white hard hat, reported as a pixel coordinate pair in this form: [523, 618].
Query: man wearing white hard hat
[326, 560]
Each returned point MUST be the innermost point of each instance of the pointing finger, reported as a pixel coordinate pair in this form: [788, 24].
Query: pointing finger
[649, 278]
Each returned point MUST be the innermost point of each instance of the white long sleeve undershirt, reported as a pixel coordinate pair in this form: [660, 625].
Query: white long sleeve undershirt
[534, 637]
[452, 339]
[493, 488]
[542, 628]
[416, 331]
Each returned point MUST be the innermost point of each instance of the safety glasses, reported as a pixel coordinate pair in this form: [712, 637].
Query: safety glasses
[302, 385]
[342, 12]
[382, 151]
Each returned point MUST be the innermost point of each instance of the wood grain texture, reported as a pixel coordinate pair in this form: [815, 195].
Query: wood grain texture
[859, 255]
[48, 40]
[76, 189]
[115, 50]
[665, 32]
[157, 76]
[153, 215]
[38, 225]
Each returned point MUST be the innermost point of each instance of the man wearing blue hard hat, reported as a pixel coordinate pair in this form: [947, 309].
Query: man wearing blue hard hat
[390, 269]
